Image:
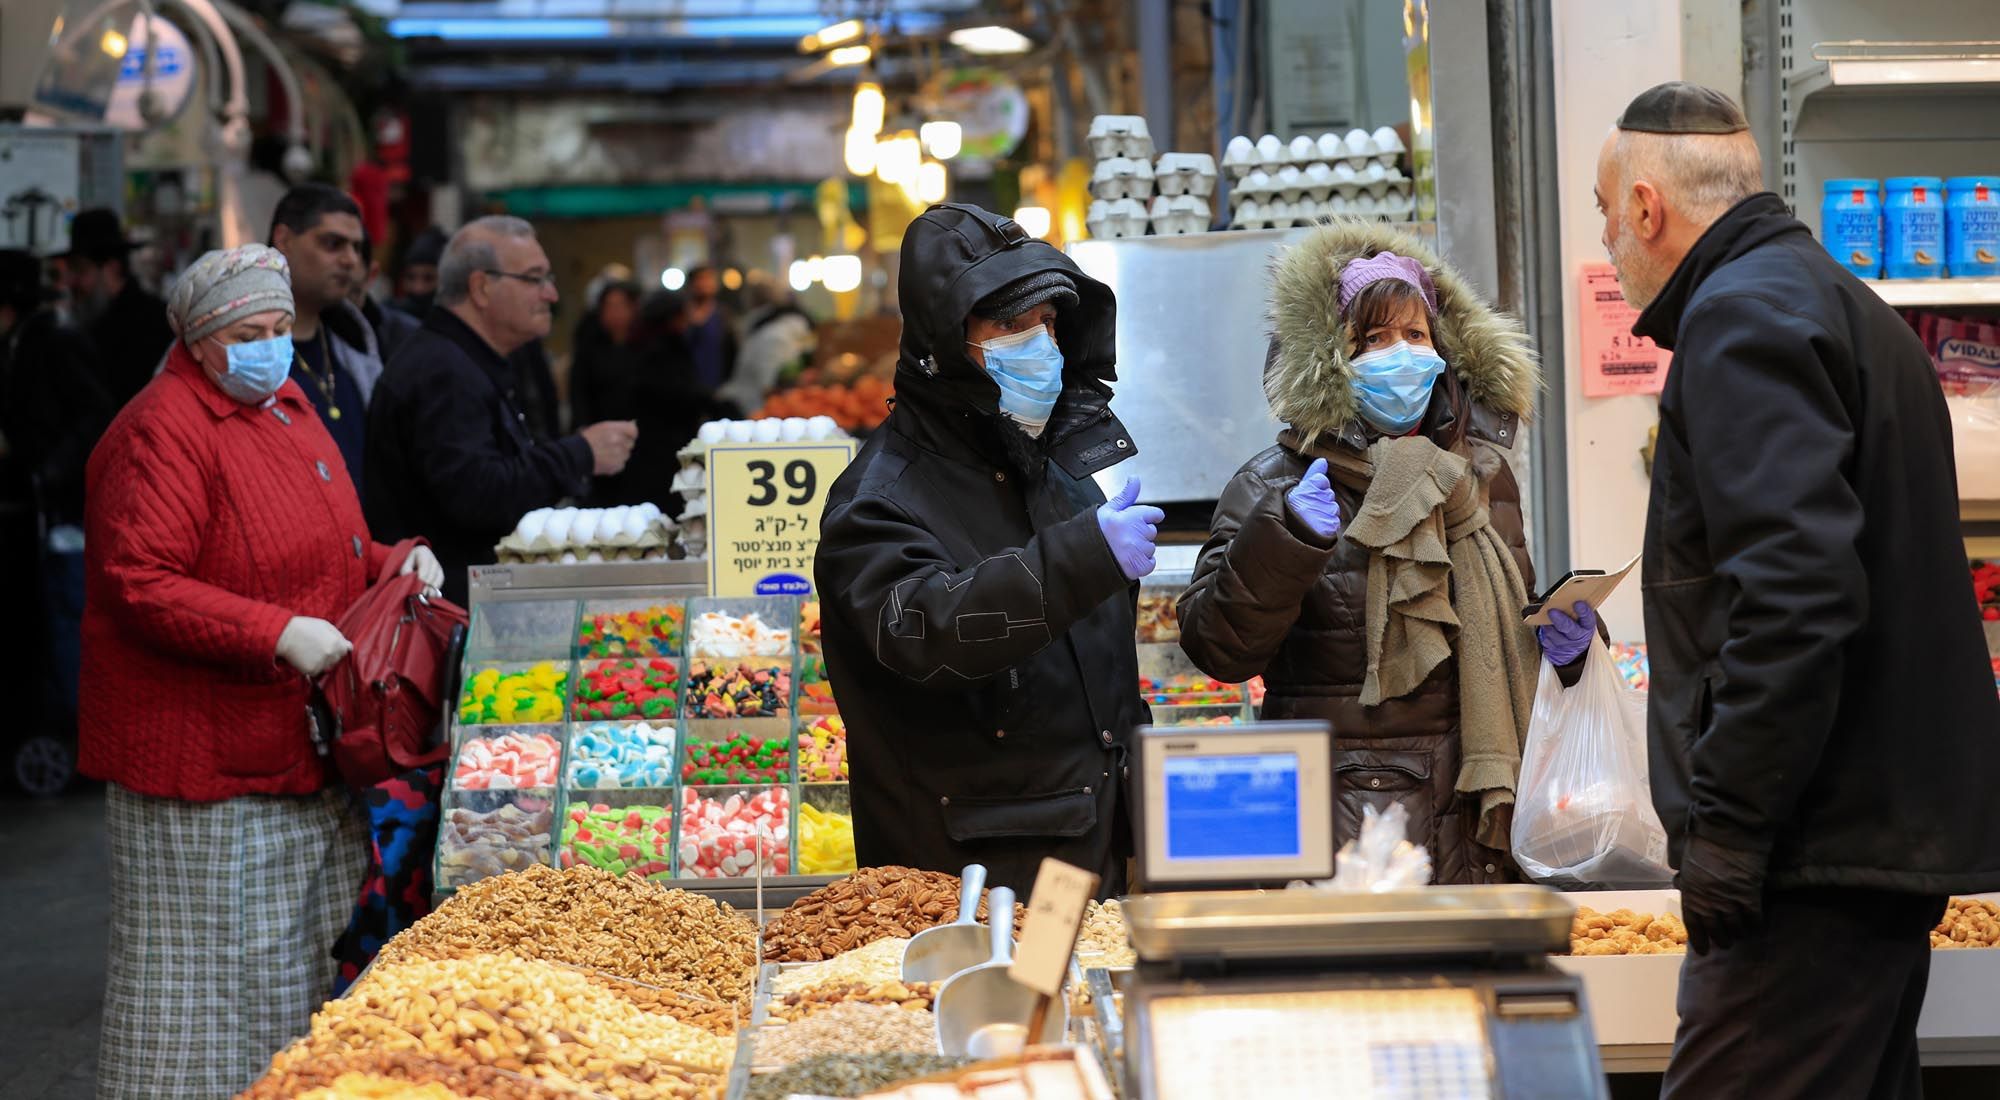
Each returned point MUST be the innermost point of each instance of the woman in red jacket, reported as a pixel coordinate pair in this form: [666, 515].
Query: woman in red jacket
[222, 536]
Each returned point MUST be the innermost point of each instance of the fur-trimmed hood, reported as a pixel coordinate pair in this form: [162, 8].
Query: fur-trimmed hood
[1309, 377]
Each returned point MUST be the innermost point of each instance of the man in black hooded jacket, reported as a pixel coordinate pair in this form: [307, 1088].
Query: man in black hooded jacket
[978, 592]
[1825, 737]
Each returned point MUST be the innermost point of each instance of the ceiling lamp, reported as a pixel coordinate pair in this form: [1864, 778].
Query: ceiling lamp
[931, 182]
[841, 274]
[991, 40]
[898, 158]
[860, 152]
[943, 139]
[869, 105]
[849, 55]
[1034, 219]
[847, 30]
[801, 276]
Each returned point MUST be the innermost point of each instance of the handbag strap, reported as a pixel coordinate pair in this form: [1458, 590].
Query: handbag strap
[398, 554]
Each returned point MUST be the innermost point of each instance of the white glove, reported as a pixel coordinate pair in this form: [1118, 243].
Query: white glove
[312, 645]
[425, 565]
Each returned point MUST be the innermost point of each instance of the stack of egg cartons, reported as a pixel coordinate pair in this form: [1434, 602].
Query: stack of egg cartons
[691, 482]
[1124, 184]
[1279, 185]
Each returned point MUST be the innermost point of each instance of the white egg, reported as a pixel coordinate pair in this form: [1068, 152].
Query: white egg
[594, 556]
[1330, 147]
[794, 429]
[1303, 149]
[822, 427]
[584, 531]
[635, 526]
[1359, 144]
[1388, 141]
[557, 531]
[741, 431]
[713, 432]
[531, 525]
[1270, 150]
[767, 431]
[614, 518]
[649, 510]
[568, 558]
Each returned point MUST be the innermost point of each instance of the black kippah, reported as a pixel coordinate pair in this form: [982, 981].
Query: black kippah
[1678, 107]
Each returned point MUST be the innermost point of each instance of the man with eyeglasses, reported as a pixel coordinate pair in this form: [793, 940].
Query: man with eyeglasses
[450, 456]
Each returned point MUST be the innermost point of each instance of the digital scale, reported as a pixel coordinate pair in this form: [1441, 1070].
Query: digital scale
[1246, 989]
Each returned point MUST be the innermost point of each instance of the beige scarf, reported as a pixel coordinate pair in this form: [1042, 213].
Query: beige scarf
[1439, 579]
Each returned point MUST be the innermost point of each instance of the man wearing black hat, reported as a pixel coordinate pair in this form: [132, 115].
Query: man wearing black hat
[417, 277]
[1825, 736]
[127, 325]
[978, 592]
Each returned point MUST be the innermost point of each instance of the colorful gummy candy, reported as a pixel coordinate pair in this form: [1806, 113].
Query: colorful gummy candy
[476, 844]
[809, 627]
[715, 634]
[630, 839]
[629, 687]
[1632, 664]
[510, 762]
[742, 691]
[741, 759]
[653, 632]
[615, 755]
[497, 698]
[823, 751]
[815, 690]
[826, 842]
[1188, 691]
[720, 838]
[1197, 716]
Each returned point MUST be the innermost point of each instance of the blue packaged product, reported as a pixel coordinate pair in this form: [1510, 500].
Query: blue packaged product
[1850, 223]
[1913, 228]
[1972, 226]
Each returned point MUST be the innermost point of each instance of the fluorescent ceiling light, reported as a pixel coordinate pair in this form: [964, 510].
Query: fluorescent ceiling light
[847, 30]
[991, 40]
[850, 55]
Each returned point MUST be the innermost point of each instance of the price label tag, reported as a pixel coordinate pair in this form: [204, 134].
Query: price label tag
[1615, 362]
[764, 506]
[1055, 912]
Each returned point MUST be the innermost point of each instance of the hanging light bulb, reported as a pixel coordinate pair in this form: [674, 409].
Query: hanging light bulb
[842, 273]
[931, 182]
[943, 138]
[897, 159]
[869, 105]
[860, 151]
[801, 276]
[1034, 219]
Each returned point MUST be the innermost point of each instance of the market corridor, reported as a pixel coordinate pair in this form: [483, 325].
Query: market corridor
[53, 921]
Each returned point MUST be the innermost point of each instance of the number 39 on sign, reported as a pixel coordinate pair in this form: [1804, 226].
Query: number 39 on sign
[764, 507]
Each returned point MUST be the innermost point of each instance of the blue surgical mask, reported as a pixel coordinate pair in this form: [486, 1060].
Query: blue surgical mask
[1028, 368]
[257, 368]
[1394, 386]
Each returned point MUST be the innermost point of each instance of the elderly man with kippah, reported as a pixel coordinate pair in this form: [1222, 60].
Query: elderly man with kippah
[979, 593]
[1825, 736]
[222, 537]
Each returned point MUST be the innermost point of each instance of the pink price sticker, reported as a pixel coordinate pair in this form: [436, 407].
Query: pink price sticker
[1615, 362]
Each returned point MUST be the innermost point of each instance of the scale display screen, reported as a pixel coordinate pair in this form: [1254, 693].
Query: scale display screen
[1233, 807]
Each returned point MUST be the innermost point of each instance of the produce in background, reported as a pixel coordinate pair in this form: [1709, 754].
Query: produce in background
[858, 407]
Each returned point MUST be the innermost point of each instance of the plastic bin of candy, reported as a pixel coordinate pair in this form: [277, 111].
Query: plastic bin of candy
[825, 833]
[509, 693]
[618, 689]
[609, 756]
[730, 689]
[1159, 614]
[528, 630]
[742, 629]
[815, 688]
[1226, 714]
[506, 758]
[723, 831]
[1168, 679]
[486, 833]
[736, 753]
[620, 832]
[631, 628]
[809, 627]
[822, 749]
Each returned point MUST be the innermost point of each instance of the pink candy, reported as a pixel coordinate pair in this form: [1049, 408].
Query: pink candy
[511, 762]
[720, 838]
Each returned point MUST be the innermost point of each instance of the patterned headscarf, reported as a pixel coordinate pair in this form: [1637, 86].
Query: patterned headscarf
[222, 288]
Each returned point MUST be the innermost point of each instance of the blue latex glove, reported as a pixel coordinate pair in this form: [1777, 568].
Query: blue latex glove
[1130, 529]
[1566, 638]
[1312, 501]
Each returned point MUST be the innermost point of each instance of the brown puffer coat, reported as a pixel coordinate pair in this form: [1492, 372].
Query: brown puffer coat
[1268, 600]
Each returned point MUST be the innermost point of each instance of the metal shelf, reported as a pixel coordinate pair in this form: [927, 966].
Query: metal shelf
[1937, 292]
[1900, 68]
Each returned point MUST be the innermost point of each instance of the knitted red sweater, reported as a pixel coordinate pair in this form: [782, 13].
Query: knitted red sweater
[210, 524]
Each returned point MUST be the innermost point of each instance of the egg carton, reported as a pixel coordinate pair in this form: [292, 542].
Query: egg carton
[1116, 219]
[1180, 215]
[1185, 174]
[1317, 182]
[792, 429]
[1122, 178]
[546, 530]
[1358, 149]
[1120, 136]
[572, 557]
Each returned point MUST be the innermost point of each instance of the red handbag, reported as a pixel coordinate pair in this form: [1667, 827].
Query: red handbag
[385, 700]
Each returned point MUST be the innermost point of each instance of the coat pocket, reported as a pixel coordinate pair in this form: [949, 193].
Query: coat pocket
[1382, 778]
[1066, 813]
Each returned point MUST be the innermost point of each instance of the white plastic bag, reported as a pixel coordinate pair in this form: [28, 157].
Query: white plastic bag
[1380, 859]
[1583, 813]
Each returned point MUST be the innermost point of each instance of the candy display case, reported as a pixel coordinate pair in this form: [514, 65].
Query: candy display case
[491, 832]
[824, 836]
[616, 689]
[1171, 684]
[620, 832]
[1226, 714]
[815, 689]
[725, 830]
[527, 631]
[631, 628]
[809, 633]
[743, 629]
[513, 692]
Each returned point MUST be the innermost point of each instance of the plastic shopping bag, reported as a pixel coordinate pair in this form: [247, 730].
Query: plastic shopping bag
[1583, 813]
[1380, 859]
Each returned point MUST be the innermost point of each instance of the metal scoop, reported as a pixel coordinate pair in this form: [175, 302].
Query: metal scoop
[984, 1007]
[938, 953]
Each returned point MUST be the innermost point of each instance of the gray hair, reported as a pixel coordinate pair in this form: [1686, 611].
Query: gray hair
[471, 249]
[1700, 175]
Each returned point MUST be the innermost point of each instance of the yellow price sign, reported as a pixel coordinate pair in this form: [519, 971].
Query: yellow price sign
[764, 507]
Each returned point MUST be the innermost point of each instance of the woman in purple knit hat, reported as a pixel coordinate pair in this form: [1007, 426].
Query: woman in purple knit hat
[1372, 565]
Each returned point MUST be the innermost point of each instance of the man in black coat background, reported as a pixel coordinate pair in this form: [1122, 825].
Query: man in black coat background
[979, 624]
[1825, 735]
[127, 325]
